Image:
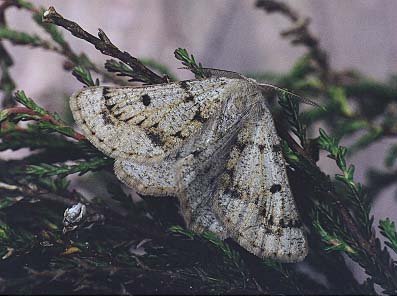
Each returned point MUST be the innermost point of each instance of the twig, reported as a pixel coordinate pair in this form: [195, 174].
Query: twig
[349, 222]
[104, 45]
[47, 117]
[35, 192]
[67, 198]
[272, 6]
[282, 130]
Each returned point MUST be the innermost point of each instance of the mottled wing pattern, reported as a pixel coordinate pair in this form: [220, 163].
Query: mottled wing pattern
[242, 177]
[212, 143]
[147, 123]
[196, 178]
[203, 159]
[253, 199]
[156, 179]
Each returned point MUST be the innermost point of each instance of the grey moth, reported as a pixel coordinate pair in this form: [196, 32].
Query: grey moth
[212, 143]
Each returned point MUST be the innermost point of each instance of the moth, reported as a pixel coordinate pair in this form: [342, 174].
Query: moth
[212, 143]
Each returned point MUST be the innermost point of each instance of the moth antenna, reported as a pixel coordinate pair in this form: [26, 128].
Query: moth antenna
[309, 102]
[223, 73]
[211, 72]
[297, 97]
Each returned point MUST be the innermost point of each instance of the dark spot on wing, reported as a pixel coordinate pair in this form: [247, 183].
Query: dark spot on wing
[261, 147]
[196, 153]
[289, 223]
[281, 222]
[275, 188]
[230, 172]
[232, 192]
[156, 125]
[241, 146]
[178, 155]
[105, 95]
[276, 148]
[109, 107]
[189, 98]
[184, 85]
[179, 135]
[198, 117]
[155, 138]
[146, 99]
[118, 115]
[107, 119]
[105, 92]
[294, 224]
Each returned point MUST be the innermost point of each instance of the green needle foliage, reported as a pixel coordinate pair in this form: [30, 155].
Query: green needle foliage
[48, 170]
[119, 68]
[291, 110]
[121, 246]
[391, 156]
[189, 62]
[21, 38]
[388, 230]
[84, 76]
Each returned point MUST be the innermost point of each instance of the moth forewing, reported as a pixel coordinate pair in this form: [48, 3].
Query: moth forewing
[148, 123]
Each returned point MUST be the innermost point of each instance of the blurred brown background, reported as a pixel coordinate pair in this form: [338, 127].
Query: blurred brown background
[226, 34]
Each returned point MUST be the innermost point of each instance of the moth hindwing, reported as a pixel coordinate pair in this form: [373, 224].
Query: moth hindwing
[210, 142]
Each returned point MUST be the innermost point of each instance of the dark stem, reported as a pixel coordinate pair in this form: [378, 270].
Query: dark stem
[368, 246]
[104, 45]
[47, 117]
